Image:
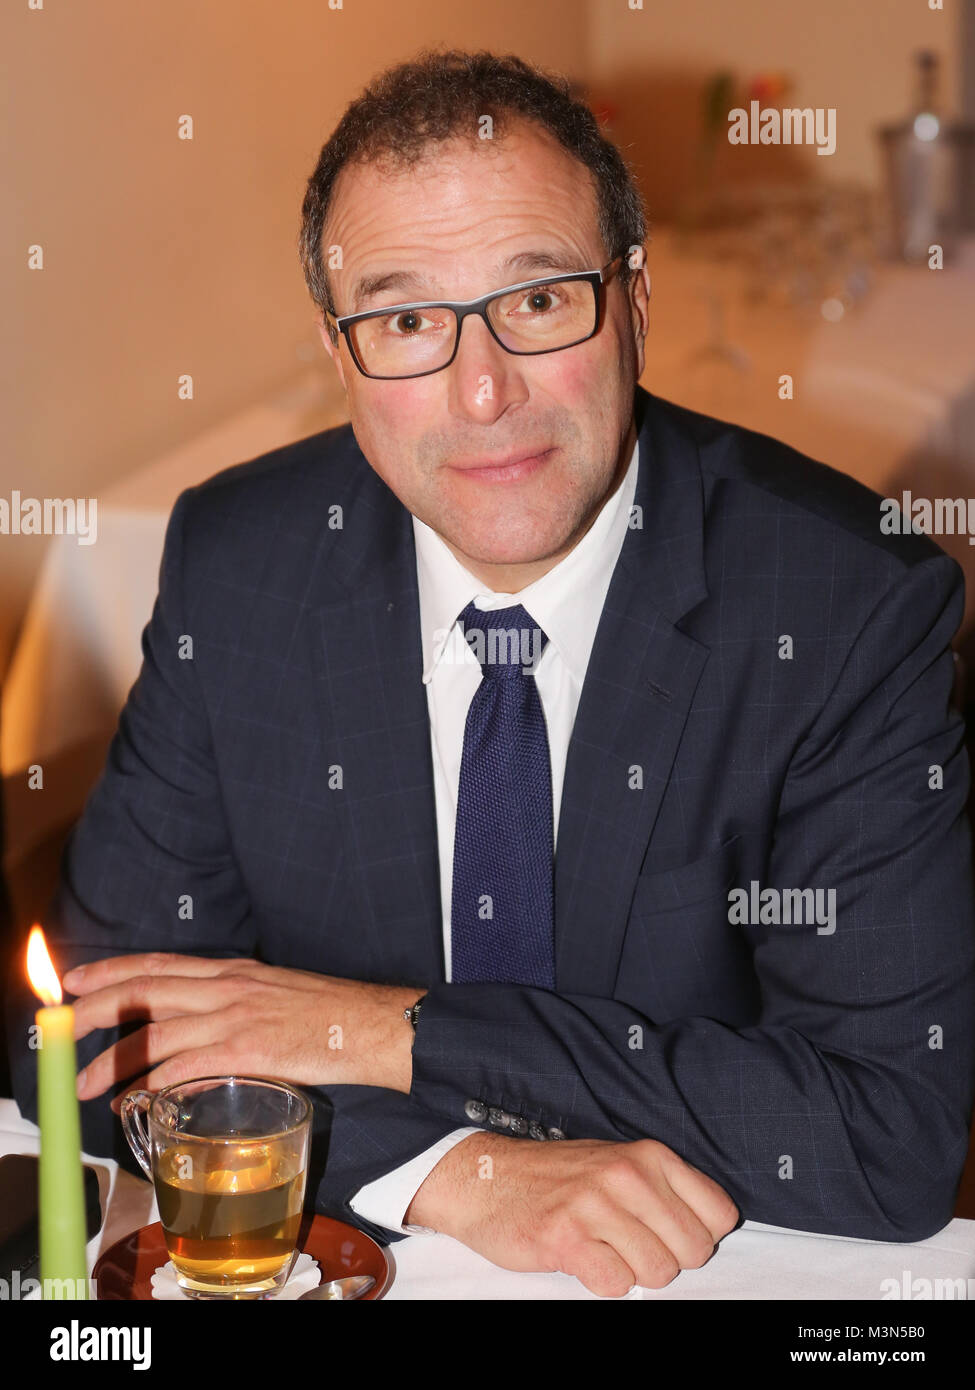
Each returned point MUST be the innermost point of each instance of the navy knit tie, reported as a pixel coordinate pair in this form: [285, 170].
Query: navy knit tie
[502, 919]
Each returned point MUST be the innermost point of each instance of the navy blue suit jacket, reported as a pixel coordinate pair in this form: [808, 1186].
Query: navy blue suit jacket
[825, 1080]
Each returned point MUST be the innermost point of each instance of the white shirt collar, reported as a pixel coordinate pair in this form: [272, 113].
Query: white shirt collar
[566, 603]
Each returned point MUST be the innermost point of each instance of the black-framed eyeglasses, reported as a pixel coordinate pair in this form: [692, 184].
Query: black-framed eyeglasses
[406, 340]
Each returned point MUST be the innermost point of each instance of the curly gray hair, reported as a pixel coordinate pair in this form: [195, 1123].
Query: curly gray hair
[438, 96]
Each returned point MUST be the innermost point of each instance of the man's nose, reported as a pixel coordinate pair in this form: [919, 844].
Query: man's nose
[484, 379]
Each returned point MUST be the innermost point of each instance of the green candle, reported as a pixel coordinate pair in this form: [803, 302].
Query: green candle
[61, 1183]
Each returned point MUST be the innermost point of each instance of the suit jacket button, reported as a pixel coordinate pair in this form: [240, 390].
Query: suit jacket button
[536, 1130]
[519, 1125]
[498, 1118]
[475, 1110]
[555, 1134]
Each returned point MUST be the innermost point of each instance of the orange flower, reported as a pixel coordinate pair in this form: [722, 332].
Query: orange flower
[768, 87]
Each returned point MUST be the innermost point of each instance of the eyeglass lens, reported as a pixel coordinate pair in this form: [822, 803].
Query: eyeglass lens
[538, 319]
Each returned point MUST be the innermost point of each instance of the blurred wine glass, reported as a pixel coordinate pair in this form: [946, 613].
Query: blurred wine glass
[807, 250]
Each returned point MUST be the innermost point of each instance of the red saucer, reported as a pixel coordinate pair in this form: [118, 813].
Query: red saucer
[125, 1270]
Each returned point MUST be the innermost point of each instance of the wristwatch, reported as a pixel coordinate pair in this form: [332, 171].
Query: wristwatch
[413, 1013]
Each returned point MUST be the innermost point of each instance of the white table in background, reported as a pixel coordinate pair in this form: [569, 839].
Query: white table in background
[79, 648]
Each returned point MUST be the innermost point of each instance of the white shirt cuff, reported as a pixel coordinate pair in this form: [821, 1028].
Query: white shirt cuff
[386, 1200]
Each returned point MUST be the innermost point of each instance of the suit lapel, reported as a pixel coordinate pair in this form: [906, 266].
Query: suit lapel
[641, 679]
[367, 653]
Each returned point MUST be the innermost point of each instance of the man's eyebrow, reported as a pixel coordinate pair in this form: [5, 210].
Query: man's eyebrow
[509, 271]
[368, 286]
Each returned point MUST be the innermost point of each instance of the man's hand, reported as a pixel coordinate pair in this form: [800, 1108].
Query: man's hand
[614, 1215]
[211, 1017]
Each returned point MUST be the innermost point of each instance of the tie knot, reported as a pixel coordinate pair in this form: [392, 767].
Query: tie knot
[506, 641]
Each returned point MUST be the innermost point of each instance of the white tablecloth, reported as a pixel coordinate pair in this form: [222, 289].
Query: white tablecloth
[755, 1262]
[79, 647]
[887, 389]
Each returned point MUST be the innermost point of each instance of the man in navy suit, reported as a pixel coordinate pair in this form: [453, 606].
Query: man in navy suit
[743, 976]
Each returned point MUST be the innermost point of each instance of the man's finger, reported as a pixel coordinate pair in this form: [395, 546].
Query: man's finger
[157, 998]
[113, 969]
[709, 1201]
[84, 979]
[185, 1066]
[146, 1048]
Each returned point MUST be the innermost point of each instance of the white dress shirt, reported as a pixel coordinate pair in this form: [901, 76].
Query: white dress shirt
[566, 603]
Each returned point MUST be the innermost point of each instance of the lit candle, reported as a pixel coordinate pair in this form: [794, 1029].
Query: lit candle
[61, 1201]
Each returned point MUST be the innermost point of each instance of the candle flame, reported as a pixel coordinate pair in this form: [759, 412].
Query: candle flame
[40, 971]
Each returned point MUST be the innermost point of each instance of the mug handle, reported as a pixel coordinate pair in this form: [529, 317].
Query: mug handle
[132, 1108]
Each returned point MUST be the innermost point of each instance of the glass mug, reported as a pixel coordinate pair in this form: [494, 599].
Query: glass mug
[228, 1157]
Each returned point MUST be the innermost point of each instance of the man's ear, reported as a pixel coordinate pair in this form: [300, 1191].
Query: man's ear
[332, 345]
[639, 297]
